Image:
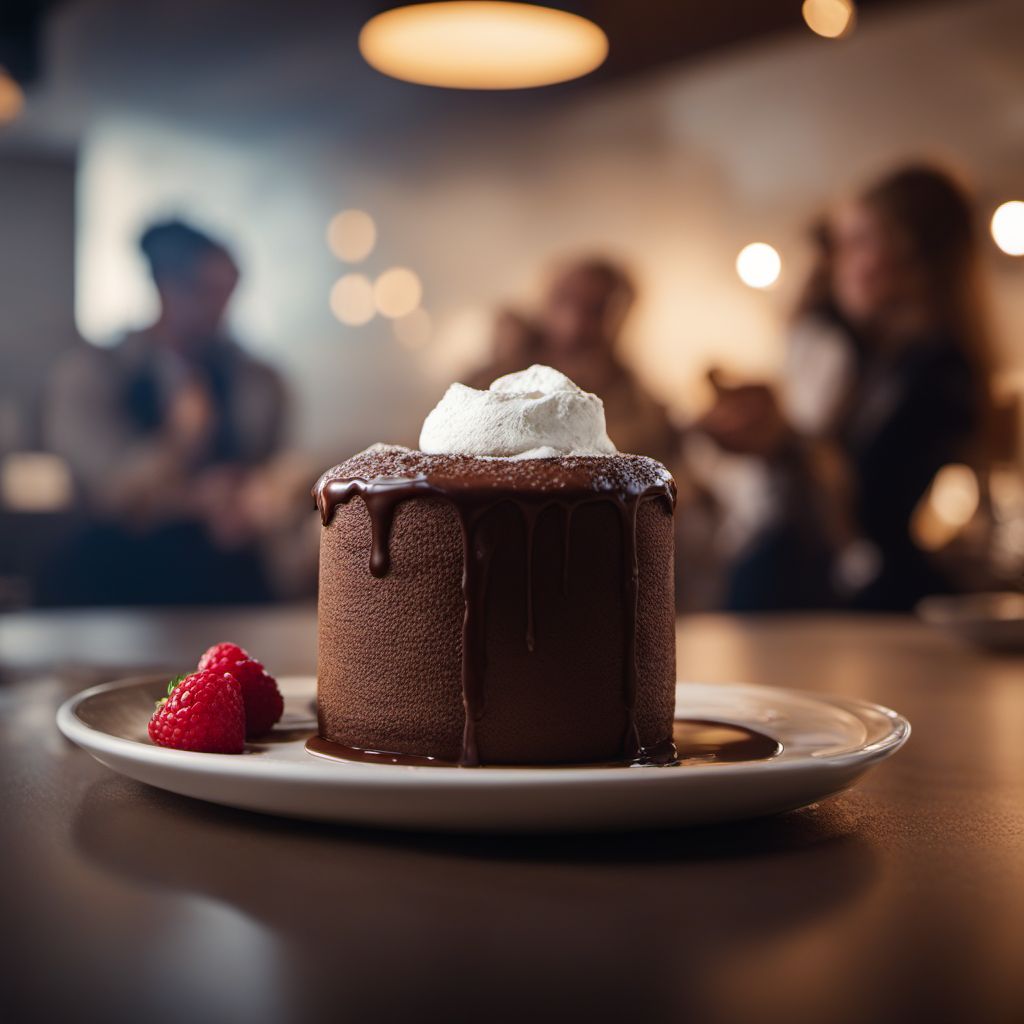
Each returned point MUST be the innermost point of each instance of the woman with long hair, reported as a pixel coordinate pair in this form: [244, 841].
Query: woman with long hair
[901, 287]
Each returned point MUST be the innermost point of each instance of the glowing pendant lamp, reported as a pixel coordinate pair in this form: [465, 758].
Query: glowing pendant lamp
[464, 44]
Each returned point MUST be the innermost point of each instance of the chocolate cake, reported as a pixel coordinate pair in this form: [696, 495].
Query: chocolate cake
[496, 611]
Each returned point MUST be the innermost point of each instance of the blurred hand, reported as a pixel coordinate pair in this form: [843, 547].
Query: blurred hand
[276, 494]
[218, 499]
[241, 504]
[191, 417]
[745, 419]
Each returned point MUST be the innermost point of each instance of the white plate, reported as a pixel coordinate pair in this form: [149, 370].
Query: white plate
[827, 744]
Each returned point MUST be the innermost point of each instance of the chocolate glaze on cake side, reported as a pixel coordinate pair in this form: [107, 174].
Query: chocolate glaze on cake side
[385, 477]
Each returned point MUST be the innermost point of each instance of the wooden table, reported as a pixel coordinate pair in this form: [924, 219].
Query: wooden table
[903, 900]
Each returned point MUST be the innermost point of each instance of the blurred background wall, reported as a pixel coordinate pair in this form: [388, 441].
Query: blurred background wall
[37, 246]
[716, 126]
[674, 170]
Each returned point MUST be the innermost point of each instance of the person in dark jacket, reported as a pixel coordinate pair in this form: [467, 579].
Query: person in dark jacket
[162, 432]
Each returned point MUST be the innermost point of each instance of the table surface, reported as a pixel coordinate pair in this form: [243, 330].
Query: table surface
[902, 899]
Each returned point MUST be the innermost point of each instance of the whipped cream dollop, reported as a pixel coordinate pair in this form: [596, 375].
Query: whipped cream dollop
[533, 414]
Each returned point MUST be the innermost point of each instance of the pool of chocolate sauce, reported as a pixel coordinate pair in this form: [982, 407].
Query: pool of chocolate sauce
[697, 741]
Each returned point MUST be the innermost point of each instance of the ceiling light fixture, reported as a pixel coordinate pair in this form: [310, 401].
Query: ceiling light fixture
[466, 44]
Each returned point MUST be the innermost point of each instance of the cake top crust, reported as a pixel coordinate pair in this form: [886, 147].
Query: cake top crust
[618, 474]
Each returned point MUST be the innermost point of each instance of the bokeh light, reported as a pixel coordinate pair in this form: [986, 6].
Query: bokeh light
[954, 494]
[482, 45]
[35, 482]
[831, 19]
[949, 504]
[397, 292]
[12, 98]
[1008, 227]
[352, 299]
[758, 265]
[351, 235]
[413, 330]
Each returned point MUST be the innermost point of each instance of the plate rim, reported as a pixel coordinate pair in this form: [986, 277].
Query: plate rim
[324, 772]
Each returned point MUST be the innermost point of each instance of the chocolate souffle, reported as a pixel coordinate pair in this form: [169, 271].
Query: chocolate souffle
[479, 610]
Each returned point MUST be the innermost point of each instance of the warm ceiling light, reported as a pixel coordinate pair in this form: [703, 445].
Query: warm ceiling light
[351, 235]
[352, 300]
[1008, 227]
[482, 45]
[397, 292]
[758, 265]
[832, 19]
[12, 98]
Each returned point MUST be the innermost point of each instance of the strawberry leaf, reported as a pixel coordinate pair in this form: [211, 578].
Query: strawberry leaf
[174, 682]
[170, 688]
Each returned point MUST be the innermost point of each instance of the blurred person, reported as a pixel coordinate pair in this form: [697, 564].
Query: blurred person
[164, 432]
[746, 493]
[580, 324]
[515, 345]
[902, 289]
[576, 330]
[821, 351]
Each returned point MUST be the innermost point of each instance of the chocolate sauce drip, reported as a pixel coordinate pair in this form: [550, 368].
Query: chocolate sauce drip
[381, 498]
[473, 492]
[697, 741]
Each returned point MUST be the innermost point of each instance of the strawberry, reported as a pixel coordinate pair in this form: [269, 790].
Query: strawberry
[263, 702]
[202, 711]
